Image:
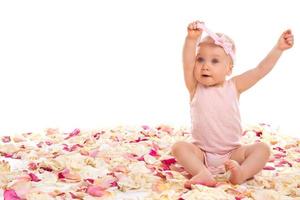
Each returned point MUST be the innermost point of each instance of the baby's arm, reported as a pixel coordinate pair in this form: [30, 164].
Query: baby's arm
[189, 56]
[249, 78]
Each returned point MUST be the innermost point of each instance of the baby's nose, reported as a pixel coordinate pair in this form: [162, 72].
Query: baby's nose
[205, 66]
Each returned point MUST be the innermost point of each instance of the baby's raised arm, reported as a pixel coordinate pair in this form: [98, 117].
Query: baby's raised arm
[249, 78]
[189, 56]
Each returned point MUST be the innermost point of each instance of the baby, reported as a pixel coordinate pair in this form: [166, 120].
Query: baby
[214, 105]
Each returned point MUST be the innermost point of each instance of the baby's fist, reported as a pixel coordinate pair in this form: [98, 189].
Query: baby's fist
[286, 40]
[194, 30]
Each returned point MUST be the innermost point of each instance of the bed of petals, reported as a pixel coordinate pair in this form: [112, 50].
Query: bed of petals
[112, 163]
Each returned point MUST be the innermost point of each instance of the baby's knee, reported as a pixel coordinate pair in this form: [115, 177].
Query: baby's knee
[265, 148]
[178, 146]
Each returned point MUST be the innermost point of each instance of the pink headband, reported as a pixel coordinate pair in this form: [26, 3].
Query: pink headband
[221, 41]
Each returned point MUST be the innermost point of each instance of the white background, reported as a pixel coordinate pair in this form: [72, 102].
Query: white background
[93, 64]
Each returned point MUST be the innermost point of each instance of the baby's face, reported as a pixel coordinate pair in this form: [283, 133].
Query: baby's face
[212, 64]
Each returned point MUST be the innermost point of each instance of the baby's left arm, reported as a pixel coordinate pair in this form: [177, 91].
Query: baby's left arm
[249, 78]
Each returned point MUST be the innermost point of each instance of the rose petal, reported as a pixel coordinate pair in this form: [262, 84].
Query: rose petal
[279, 149]
[95, 191]
[153, 152]
[97, 136]
[11, 195]
[74, 133]
[282, 162]
[297, 160]
[138, 140]
[74, 196]
[269, 168]
[75, 146]
[66, 174]
[278, 155]
[169, 161]
[258, 133]
[90, 180]
[94, 153]
[6, 139]
[34, 178]
[49, 143]
[52, 131]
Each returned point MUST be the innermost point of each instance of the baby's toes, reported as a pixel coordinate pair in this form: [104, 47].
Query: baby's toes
[230, 164]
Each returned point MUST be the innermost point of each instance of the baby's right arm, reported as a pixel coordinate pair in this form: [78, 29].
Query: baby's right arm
[189, 56]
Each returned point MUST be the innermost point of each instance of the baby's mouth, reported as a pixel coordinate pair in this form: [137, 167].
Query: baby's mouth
[205, 75]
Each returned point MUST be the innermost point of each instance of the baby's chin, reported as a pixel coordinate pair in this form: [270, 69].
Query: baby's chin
[207, 82]
[210, 83]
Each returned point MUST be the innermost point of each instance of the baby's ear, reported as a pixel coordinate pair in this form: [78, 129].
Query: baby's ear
[229, 70]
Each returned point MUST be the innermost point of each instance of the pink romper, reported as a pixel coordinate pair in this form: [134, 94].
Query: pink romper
[216, 123]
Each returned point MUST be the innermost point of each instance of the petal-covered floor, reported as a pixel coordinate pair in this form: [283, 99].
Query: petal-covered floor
[133, 163]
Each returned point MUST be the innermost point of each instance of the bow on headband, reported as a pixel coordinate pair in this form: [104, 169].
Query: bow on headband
[221, 41]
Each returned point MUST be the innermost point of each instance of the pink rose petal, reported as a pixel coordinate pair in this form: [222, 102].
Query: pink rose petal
[52, 131]
[49, 169]
[258, 133]
[74, 133]
[75, 146]
[165, 167]
[11, 195]
[74, 196]
[34, 178]
[63, 174]
[32, 166]
[7, 155]
[40, 144]
[269, 168]
[6, 139]
[97, 136]
[282, 162]
[114, 184]
[120, 168]
[169, 161]
[279, 149]
[95, 191]
[271, 159]
[153, 152]
[138, 140]
[161, 175]
[278, 155]
[130, 156]
[297, 160]
[297, 150]
[145, 127]
[155, 146]
[94, 153]
[141, 158]
[107, 183]
[49, 143]
[90, 180]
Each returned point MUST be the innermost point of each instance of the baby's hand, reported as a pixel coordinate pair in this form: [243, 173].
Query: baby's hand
[194, 31]
[286, 40]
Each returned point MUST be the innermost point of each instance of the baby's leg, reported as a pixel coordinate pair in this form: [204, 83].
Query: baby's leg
[247, 161]
[192, 159]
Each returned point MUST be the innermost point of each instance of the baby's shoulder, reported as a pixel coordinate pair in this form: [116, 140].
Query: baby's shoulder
[232, 84]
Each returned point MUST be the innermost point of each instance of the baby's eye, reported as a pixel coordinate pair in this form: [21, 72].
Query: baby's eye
[200, 59]
[215, 61]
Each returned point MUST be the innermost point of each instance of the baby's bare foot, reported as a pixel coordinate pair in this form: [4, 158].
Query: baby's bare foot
[203, 178]
[236, 176]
